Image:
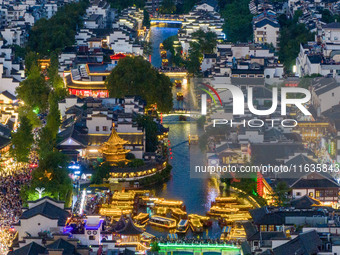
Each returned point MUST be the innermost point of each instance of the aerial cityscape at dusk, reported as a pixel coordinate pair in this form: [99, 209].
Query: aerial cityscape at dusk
[170, 127]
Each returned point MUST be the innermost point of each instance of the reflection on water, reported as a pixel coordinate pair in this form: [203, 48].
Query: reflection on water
[158, 35]
[196, 193]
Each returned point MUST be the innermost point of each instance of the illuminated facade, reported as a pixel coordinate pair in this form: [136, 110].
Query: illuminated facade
[113, 150]
[89, 80]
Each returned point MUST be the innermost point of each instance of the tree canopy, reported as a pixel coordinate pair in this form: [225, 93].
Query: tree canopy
[167, 7]
[207, 41]
[54, 79]
[59, 31]
[136, 76]
[146, 19]
[34, 89]
[52, 174]
[238, 18]
[292, 34]
[281, 194]
[22, 140]
[150, 128]
[100, 172]
[122, 4]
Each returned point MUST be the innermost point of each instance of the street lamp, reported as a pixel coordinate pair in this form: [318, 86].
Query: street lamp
[40, 191]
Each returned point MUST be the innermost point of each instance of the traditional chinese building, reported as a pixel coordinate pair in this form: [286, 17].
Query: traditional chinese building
[113, 150]
[128, 234]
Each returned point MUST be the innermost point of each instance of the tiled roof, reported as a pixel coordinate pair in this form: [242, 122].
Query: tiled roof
[304, 244]
[30, 249]
[47, 210]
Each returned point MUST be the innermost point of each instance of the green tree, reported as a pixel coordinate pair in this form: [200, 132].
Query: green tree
[185, 6]
[136, 76]
[150, 127]
[122, 4]
[31, 59]
[19, 52]
[147, 48]
[46, 142]
[52, 174]
[167, 7]
[100, 172]
[193, 63]
[201, 121]
[34, 90]
[168, 43]
[58, 32]
[292, 34]
[22, 141]
[54, 79]
[53, 117]
[27, 111]
[281, 194]
[146, 18]
[137, 162]
[207, 41]
[238, 18]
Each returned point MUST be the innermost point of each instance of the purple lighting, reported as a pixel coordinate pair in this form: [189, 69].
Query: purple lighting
[93, 227]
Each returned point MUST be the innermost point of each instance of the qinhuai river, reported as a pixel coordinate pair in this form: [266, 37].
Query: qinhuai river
[196, 194]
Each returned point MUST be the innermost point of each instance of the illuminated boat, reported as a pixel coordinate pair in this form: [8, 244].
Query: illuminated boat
[163, 222]
[148, 201]
[196, 225]
[226, 220]
[160, 210]
[169, 203]
[193, 139]
[178, 213]
[141, 218]
[225, 199]
[178, 83]
[218, 211]
[243, 207]
[182, 226]
[165, 62]
[205, 220]
[163, 54]
[180, 96]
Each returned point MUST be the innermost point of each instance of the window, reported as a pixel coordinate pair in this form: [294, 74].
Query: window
[310, 194]
[263, 227]
[92, 238]
[298, 193]
[333, 94]
[271, 227]
[97, 128]
[330, 193]
[317, 193]
[104, 128]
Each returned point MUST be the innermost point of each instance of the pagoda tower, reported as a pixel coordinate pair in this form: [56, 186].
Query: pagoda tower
[113, 149]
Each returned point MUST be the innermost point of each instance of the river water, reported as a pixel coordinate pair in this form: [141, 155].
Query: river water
[196, 194]
[157, 36]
